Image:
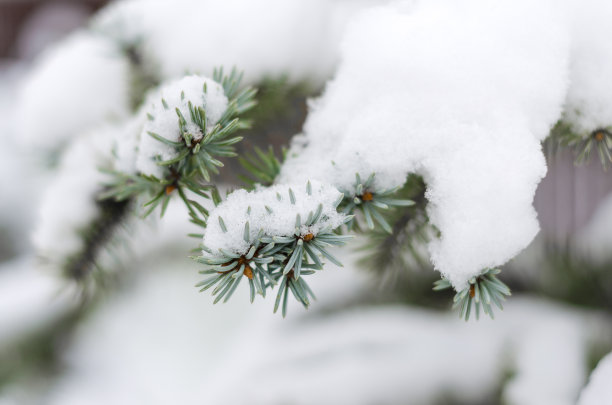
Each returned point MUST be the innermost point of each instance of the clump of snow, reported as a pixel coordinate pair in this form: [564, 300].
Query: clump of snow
[271, 212]
[599, 390]
[589, 98]
[128, 22]
[29, 300]
[125, 147]
[452, 91]
[163, 119]
[538, 379]
[69, 204]
[297, 38]
[23, 178]
[73, 87]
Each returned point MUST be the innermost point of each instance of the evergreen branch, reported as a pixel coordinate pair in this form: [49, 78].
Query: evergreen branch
[585, 144]
[271, 260]
[370, 203]
[396, 258]
[483, 291]
[263, 167]
[196, 154]
[122, 186]
[96, 237]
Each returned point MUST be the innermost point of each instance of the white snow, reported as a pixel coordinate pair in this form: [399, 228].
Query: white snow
[156, 343]
[128, 22]
[460, 92]
[29, 300]
[267, 38]
[539, 379]
[159, 330]
[452, 91]
[73, 87]
[589, 99]
[456, 93]
[125, 144]
[599, 389]
[69, 204]
[398, 355]
[163, 120]
[279, 220]
[22, 177]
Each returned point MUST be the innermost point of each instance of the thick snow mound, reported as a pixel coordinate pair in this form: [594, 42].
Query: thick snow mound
[74, 87]
[456, 93]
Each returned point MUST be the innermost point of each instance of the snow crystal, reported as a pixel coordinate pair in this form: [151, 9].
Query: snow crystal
[69, 203]
[270, 215]
[75, 86]
[163, 120]
[599, 390]
[455, 93]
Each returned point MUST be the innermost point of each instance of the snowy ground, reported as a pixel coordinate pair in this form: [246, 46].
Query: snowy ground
[159, 341]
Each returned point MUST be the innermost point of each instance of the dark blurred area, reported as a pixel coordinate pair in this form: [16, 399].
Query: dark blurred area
[27, 26]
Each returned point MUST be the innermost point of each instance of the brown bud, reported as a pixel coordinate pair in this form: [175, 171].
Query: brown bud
[248, 272]
[367, 196]
[170, 189]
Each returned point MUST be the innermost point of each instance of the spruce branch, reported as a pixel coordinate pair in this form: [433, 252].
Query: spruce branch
[280, 112]
[111, 216]
[483, 291]
[272, 259]
[585, 144]
[400, 251]
[263, 167]
[196, 152]
[370, 203]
